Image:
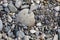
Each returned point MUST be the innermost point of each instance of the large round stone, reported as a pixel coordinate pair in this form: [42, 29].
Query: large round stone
[26, 18]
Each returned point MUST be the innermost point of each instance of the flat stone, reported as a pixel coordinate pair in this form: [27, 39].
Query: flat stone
[33, 6]
[20, 34]
[9, 18]
[55, 37]
[57, 8]
[39, 24]
[33, 31]
[7, 10]
[26, 37]
[1, 7]
[26, 18]
[12, 7]
[24, 6]
[18, 3]
[1, 25]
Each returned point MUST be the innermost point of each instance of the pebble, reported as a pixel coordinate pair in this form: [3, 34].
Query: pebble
[24, 6]
[18, 3]
[57, 8]
[5, 3]
[1, 8]
[39, 24]
[56, 14]
[9, 19]
[22, 15]
[7, 10]
[33, 31]
[12, 7]
[1, 25]
[20, 34]
[55, 37]
[33, 6]
[37, 1]
[26, 37]
[0, 35]
[58, 0]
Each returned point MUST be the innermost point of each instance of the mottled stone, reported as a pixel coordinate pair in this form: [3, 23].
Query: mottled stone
[12, 7]
[18, 3]
[26, 18]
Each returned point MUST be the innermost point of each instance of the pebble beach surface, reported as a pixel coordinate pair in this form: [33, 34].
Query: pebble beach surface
[29, 19]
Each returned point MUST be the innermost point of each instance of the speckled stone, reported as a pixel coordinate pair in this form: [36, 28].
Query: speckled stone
[26, 18]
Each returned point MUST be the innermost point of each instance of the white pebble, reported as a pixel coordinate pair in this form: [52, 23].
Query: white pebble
[57, 8]
[55, 37]
[1, 25]
[33, 31]
[9, 18]
[39, 24]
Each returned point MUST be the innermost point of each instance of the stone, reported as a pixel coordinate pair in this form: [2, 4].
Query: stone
[18, 3]
[1, 25]
[7, 28]
[26, 18]
[12, 7]
[1, 8]
[0, 35]
[26, 37]
[39, 24]
[5, 3]
[24, 6]
[55, 37]
[10, 34]
[57, 8]
[33, 6]
[56, 14]
[58, 0]
[20, 34]
[33, 31]
[7, 10]
[9, 19]
[37, 1]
